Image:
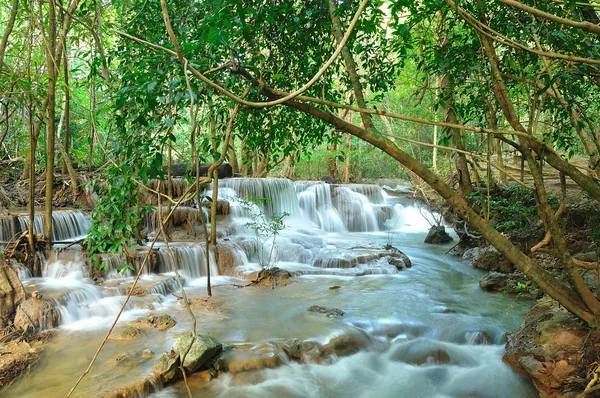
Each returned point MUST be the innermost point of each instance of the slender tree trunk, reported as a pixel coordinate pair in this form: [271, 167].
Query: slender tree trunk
[350, 65]
[50, 120]
[67, 110]
[65, 156]
[90, 159]
[332, 162]
[460, 160]
[7, 31]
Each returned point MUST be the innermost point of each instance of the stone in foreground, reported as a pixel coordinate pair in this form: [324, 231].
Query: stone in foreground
[204, 348]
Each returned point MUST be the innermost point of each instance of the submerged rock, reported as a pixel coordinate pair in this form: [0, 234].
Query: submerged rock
[128, 333]
[330, 312]
[437, 235]
[204, 348]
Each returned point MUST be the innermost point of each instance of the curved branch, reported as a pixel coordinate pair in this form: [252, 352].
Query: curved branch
[585, 26]
[279, 101]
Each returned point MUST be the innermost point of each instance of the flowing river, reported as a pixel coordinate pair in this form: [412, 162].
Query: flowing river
[425, 331]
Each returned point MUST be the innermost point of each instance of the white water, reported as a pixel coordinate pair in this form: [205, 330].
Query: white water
[401, 317]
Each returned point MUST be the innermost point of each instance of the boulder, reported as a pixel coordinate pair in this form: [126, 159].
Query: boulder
[34, 315]
[164, 322]
[494, 282]
[489, 259]
[554, 349]
[167, 367]
[204, 348]
[12, 293]
[147, 354]
[437, 235]
[329, 312]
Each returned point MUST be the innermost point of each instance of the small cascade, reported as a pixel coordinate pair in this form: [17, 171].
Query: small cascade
[8, 228]
[355, 209]
[188, 259]
[280, 193]
[372, 192]
[66, 224]
[315, 203]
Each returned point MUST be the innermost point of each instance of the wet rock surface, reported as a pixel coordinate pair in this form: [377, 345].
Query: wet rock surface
[329, 312]
[437, 235]
[202, 348]
[552, 348]
[163, 322]
[36, 315]
[15, 357]
[128, 333]
[489, 259]
[12, 293]
[167, 367]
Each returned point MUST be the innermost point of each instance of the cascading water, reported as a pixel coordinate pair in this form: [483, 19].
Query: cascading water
[66, 224]
[423, 332]
[190, 260]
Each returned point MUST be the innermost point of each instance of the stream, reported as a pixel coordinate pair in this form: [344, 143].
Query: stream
[425, 331]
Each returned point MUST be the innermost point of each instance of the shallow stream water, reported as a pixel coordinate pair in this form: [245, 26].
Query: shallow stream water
[401, 315]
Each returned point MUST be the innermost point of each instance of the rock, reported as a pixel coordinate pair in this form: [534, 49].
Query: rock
[163, 322]
[204, 348]
[249, 357]
[12, 293]
[417, 354]
[489, 259]
[123, 358]
[334, 287]
[437, 234]
[348, 343]
[398, 263]
[128, 333]
[494, 281]
[330, 312]
[35, 315]
[142, 323]
[552, 348]
[147, 354]
[167, 367]
[16, 358]
[478, 337]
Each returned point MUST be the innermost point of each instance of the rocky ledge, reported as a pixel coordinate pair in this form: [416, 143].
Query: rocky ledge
[555, 350]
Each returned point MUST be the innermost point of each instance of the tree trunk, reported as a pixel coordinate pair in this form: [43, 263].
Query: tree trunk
[546, 281]
[65, 156]
[7, 31]
[50, 119]
[67, 119]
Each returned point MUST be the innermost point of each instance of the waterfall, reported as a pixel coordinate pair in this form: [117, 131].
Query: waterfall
[66, 224]
[8, 228]
[316, 205]
[191, 260]
[279, 192]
